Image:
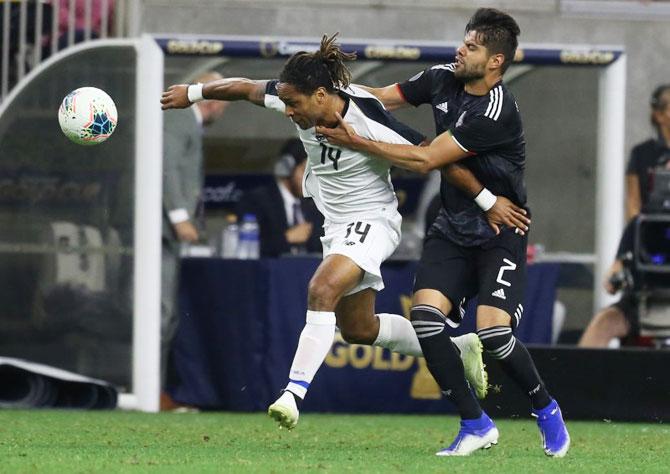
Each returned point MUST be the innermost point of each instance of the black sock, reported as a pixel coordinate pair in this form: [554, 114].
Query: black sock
[516, 362]
[443, 360]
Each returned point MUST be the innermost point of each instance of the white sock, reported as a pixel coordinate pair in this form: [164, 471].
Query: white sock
[397, 334]
[315, 341]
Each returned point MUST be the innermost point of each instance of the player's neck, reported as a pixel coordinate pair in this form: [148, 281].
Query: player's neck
[482, 86]
[335, 104]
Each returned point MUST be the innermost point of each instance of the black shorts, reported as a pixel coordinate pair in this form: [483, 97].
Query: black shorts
[494, 271]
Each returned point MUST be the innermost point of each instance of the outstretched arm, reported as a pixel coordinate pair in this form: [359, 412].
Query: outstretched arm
[180, 96]
[441, 153]
[421, 159]
[390, 96]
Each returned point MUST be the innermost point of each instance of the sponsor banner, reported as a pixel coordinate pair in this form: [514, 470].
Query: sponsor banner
[223, 192]
[56, 189]
[374, 50]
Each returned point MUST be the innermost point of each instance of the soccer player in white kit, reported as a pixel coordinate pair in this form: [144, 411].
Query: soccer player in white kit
[353, 190]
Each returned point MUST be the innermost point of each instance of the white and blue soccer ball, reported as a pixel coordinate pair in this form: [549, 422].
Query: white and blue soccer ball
[87, 116]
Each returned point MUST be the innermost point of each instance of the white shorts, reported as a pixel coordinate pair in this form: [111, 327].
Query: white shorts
[368, 241]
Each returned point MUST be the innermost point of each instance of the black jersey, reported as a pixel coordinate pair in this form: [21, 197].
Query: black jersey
[489, 128]
[645, 158]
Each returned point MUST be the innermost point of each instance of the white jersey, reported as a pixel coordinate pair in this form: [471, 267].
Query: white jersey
[345, 183]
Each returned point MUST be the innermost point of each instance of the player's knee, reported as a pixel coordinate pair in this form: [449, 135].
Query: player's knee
[358, 335]
[323, 294]
[427, 320]
[498, 341]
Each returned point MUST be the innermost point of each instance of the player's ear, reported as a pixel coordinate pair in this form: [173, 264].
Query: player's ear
[321, 93]
[496, 61]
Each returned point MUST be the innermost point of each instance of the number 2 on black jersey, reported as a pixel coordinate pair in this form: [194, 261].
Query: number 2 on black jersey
[332, 153]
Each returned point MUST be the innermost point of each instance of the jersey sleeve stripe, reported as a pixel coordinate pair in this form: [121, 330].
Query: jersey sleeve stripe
[402, 94]
[448, 67]
[495, 104]
[373, 110]
[459, 144]
[491, 99]
[500, 102]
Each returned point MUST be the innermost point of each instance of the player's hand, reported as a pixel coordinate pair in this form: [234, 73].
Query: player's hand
[175, 97]
[186, 231]
[343, 135]
[505, 212]
[299, 234]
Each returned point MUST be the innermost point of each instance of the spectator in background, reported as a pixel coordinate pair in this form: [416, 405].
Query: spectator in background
[182, 185]
[620, 320]
[649, 155]
[288, 222]
[98, 15]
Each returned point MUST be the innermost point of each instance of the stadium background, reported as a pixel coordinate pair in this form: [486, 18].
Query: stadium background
[559, 103]
[560, 125]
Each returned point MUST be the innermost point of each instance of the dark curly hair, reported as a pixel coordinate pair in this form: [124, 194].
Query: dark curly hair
[323, 68]
[497, 31]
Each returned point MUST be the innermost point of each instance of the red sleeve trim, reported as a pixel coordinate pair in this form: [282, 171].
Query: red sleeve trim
[402, 94]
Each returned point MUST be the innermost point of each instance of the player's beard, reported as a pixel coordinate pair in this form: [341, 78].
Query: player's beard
[469, 73]
[303, 123]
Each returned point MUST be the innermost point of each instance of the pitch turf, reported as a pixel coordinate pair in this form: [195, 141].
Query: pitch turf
[73, 441]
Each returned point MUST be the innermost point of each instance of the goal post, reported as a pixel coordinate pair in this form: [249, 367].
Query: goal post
[82, 225]
[148, 225]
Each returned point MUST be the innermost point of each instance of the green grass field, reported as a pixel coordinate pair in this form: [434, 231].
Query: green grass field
[74, 441]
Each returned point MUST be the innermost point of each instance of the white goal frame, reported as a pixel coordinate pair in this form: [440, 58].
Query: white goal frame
[147, 209]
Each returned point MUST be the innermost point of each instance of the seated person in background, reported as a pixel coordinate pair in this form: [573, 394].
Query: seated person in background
[288, 223]
[649, 155]
[619, 320]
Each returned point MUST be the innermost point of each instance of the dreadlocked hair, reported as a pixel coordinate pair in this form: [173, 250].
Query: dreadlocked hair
[323, 68]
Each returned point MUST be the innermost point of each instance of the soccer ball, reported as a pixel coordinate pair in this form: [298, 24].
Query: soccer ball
[87, 116]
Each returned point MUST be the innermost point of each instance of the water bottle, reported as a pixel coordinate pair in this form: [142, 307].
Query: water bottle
[249, 243]
[230, 237]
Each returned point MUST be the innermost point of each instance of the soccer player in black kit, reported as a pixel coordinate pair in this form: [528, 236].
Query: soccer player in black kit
[479, 127]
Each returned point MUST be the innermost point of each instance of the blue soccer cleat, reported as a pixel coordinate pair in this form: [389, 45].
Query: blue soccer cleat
[473, 435]
[555, 437]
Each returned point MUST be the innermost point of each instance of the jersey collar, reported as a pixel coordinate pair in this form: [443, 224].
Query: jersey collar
[345, 97]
